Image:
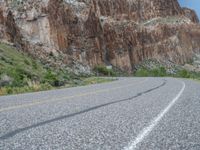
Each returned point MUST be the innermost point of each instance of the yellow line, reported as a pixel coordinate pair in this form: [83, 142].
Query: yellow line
[65, 98]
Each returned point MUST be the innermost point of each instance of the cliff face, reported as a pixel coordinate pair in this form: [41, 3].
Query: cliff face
[118, 32]
[137, 10]
[191, 14]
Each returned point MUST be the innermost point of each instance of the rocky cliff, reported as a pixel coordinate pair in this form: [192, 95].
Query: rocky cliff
[121, 33]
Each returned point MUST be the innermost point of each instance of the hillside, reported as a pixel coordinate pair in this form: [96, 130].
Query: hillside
[21, 73]
[82, 34]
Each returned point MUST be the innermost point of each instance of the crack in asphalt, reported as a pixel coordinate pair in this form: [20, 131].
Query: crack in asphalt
[17, 131]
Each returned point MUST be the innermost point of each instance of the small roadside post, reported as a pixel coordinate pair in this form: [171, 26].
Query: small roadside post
[109, 68]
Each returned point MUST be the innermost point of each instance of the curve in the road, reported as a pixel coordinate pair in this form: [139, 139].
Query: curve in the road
[145, 132]
[13, 133]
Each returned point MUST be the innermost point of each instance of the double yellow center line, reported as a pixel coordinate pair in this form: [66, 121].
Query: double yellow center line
[65, 98]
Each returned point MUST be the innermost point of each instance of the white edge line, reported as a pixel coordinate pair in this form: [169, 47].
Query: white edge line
[145, 132]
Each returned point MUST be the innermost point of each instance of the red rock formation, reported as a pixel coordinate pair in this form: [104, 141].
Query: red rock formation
[12, 31]
[1, 17]
[191, 14]
[118, 32]
[60, 19]
[136, 9]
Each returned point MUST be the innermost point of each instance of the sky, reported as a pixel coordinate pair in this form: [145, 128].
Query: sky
[194, 4]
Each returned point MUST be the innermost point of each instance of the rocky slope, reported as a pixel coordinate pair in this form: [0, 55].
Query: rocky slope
[121, 33]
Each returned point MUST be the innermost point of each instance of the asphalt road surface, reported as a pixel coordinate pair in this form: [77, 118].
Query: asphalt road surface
[128, 114]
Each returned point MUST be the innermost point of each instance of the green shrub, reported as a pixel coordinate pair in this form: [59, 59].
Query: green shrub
[54, 79]
[50, 78]
[34, 64]
[141, 73]
[20, 76]
[157, 72]
[46, 86]
[9, 90]
[162, 71]
[154, 73]
[26, 62]
[183, 74]
[195, 75]
[102, 70]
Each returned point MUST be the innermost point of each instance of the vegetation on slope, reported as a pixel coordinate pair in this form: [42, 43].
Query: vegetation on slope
[102, 70]
[20, 73]
[155, 68]
[161, 72]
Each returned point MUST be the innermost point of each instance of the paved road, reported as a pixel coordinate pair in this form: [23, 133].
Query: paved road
[131, 113]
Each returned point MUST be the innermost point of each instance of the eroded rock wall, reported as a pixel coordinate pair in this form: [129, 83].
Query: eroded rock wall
[117, 32]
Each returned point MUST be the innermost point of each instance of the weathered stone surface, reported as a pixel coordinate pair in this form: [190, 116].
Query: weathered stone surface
[118, 32]
[191, 14]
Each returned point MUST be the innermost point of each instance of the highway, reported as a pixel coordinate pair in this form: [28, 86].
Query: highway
[127, 114]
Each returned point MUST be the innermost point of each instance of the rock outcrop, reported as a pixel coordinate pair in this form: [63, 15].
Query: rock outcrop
[121, 33]
[191, 14]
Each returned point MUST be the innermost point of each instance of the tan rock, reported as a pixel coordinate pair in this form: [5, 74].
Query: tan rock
[117, 32]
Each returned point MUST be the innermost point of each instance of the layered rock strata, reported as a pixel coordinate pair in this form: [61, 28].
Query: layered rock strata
[121, 33]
